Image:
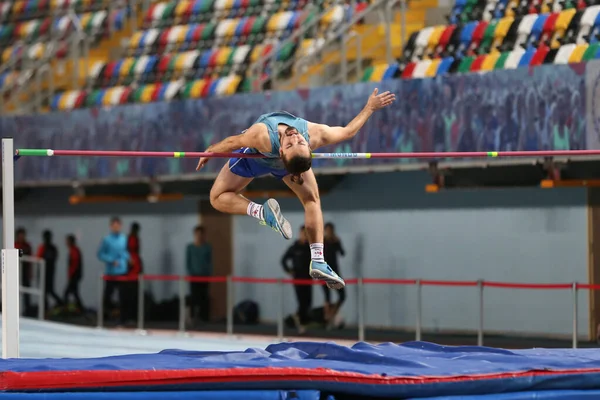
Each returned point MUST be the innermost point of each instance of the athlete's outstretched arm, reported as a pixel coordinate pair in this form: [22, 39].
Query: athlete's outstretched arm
[323, 135]
[256, 137]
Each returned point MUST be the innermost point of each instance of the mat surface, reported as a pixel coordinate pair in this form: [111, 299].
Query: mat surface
[415, 369]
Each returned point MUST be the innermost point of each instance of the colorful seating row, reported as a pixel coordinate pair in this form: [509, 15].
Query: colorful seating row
[163, 14]
[487, 10]
[91, 23]
[219, 60]
[566, 54]
[483, 37]
[226, 28]
[27, 9]
[222, 86]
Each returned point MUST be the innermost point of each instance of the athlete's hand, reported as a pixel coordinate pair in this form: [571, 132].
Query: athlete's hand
[377, 101]
[201, 163]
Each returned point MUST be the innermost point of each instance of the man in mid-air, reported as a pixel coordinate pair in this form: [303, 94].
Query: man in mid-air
[288, 142]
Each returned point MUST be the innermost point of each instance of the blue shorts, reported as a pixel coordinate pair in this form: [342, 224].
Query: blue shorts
[251, 168]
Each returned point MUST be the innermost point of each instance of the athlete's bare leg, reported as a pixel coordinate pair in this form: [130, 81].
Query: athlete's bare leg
[225, 196]
[308, 194]
[225, 193]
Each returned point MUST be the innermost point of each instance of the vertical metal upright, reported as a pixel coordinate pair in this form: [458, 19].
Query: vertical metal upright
[140, 303]
[361, 299]
[230, 301]
[575, 314]
[182, 304]
[10, 256]
[480, 328]
[280, 310]
[419, 327]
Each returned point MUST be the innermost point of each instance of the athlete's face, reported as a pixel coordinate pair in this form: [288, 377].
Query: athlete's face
[292, 143]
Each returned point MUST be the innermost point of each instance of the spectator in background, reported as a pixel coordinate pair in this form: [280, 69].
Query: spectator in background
[135, 269]
[74, 274]
[113, 252]
[198, 261]
[332, 246]
[299, 256]
[26, 272]
[49, 253]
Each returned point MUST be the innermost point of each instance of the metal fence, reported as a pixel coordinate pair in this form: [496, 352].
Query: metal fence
[361, 298]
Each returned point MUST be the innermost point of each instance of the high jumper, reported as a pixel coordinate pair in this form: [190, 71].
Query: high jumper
[287, 141]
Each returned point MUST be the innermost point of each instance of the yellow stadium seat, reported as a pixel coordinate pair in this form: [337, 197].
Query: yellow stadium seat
[181, 7]
[107, 97]
[433, 67]
[233, 84]
[62, 103]
[127, 63]
[490, 61]
[256, 53]
[147, 93]
[6, 54]
[378, 72]
[273, 22]
[135, 39]
[197, 88]
[223, 55]
[577, 54]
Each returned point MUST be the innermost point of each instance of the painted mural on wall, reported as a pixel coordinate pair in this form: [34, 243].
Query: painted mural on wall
[525, 109]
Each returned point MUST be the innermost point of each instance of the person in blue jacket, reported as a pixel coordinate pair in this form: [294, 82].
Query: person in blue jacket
[113, 253]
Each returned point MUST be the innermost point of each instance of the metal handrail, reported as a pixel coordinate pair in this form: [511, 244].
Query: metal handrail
[256, 67]
[334, 36]
[78, 47]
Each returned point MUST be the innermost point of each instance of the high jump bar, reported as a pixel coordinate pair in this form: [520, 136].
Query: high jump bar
[195, 154]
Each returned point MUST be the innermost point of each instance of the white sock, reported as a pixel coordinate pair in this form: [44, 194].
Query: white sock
[316, 252]
[256, 211]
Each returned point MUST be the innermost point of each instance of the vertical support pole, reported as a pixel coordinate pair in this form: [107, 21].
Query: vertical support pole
[134, 14]
[75, 59]
[403, 23]
[344, 63]
[361, 310]
[575, 314]
[418, 329]
[387, 14]
[280, 310]
[141, 305]
[100, 316]
[359, 72]
[229, 305]
[182, 304]
[10, 256]
[42, 301]
[39, 92]
[480, 329]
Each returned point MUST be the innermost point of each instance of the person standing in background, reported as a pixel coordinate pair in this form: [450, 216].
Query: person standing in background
[198, 261]
[75, 273]
[22, 244]
[113, 252]
[49, 253]
[135, 269]
[332, 247]
[299, 255]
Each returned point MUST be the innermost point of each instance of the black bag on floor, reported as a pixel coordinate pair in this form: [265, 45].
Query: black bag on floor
[246, 313]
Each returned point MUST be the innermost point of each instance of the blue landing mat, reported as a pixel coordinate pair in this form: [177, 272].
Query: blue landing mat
[411, 370]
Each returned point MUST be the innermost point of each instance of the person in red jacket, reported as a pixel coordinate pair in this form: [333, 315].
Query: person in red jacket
[26, 272]
[75, 272]
[135, 269]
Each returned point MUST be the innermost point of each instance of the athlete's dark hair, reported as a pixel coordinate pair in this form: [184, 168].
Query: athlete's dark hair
[296, 165]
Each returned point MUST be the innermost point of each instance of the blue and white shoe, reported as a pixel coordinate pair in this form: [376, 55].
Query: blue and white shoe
[322, 271]
[274, 219]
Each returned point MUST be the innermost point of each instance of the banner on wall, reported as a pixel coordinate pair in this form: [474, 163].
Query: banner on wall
[525, 109]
